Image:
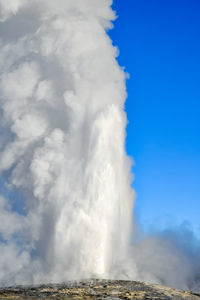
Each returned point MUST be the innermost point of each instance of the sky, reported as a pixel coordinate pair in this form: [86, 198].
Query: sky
[159, 47]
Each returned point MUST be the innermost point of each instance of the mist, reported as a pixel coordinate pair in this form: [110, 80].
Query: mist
[66, 204]
[167, 256]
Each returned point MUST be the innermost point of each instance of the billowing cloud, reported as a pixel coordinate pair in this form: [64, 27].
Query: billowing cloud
[63, 124]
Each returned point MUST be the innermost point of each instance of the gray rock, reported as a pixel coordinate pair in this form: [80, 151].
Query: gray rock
[97, 289]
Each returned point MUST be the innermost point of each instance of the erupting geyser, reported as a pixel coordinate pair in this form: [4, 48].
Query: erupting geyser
[66, 201]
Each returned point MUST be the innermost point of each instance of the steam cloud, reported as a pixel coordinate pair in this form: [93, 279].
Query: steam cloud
[66, 201]
[62, 142]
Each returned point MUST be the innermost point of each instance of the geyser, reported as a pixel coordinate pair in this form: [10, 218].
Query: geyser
[66, 201]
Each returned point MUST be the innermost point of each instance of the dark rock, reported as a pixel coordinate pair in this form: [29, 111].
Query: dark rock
[97, 289]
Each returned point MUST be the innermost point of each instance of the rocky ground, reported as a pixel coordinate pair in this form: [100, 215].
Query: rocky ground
[97, 289]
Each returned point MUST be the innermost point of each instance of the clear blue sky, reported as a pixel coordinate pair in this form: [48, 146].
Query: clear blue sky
[159, 42]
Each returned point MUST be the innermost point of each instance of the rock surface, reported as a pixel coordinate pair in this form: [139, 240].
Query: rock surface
[97, 289]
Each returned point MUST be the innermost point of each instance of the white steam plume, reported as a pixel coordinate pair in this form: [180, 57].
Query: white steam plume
[62, 138]
[66, 201]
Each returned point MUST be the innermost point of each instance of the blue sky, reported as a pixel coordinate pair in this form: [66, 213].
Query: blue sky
[159, 44]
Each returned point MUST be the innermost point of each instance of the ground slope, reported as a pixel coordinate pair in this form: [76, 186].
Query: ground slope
[97, 289]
